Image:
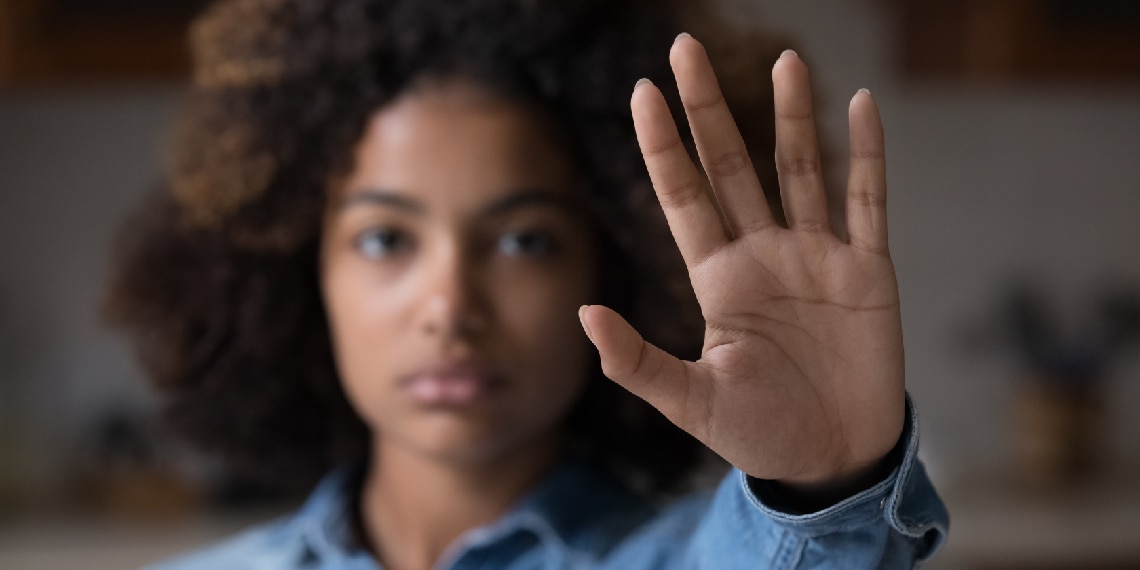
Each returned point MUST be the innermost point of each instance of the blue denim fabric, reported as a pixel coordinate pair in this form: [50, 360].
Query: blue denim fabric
[581, 518]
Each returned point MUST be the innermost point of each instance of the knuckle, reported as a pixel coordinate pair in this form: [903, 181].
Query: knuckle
[869, 246]
[867, 199]
[755, 225]
[797, 165]
[682, 194]
[665, 147]
[796, 116]
[699, 104]
[728, 164]
[867, 155]
[638, 370]
[811, 225]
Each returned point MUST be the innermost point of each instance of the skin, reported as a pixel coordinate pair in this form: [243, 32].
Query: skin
[456, 243]
[801, 376]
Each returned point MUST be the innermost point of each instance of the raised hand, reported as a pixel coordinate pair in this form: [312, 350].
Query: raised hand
[801, 374]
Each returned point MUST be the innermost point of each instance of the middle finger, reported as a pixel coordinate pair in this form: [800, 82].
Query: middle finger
[719, 144]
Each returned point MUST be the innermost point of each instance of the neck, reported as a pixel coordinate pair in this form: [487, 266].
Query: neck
[414, 506]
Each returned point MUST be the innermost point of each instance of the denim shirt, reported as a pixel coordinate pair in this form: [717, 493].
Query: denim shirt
[581, 518]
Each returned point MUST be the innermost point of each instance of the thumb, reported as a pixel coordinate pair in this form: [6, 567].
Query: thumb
[649, 372]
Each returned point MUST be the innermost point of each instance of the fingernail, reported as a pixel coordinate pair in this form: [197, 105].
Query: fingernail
[788, 52]
[582, 318]
[865, 91]
[681, 35]
[640, 82]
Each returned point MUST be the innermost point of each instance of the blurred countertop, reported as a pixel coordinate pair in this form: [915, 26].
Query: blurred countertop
[58, 542]
[1000, 522]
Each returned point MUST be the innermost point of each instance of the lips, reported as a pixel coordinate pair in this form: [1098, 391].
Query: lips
[450, 386]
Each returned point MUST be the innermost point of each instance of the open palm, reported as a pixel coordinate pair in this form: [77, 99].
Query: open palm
[801, 374]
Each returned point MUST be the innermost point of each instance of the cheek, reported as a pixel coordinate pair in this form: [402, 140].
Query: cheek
[366, 328]
[540, 311]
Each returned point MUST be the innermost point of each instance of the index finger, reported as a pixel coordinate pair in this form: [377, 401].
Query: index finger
[689, 208]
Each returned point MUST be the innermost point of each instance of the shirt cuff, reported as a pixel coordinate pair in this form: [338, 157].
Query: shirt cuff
[905, 499]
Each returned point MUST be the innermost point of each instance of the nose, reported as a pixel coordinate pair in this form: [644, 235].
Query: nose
[454, 303]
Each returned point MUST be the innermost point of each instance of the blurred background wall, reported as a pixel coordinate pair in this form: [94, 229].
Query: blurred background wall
[71, 164]
[998, 177]
[992, 180]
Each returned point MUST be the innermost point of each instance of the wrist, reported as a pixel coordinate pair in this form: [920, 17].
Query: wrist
[813, 494]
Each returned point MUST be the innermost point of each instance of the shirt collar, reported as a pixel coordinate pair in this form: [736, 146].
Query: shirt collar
[560, 511]
[324, 522]
[574, 498]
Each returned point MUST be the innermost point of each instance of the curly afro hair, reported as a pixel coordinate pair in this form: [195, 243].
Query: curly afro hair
[216, 273]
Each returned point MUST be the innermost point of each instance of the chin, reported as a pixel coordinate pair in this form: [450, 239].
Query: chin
[479, 446]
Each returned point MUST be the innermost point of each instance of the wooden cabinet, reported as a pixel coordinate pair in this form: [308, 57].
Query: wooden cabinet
[71, 42]
[1071, 40]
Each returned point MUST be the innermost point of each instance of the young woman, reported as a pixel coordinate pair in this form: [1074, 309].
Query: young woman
[388, 224]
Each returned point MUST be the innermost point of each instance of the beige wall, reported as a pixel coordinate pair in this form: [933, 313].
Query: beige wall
[987, 184]
[70, 166]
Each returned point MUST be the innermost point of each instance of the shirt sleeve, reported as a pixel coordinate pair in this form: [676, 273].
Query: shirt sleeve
[895, 524]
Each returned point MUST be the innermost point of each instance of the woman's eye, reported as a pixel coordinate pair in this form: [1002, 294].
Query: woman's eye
[379, 243]
[529, 243]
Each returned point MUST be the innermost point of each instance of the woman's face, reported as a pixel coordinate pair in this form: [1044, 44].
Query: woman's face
[454, 258]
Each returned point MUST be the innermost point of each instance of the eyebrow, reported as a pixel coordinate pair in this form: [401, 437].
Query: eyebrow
[504, 205]
[529, 199]
[382, 198]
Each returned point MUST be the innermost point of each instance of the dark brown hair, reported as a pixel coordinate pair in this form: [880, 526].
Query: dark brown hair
[216, 274]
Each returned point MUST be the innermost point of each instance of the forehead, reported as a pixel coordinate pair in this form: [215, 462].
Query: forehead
[456, 143]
